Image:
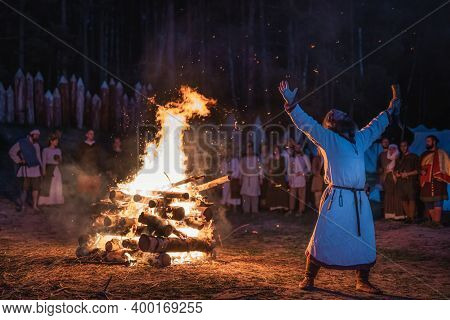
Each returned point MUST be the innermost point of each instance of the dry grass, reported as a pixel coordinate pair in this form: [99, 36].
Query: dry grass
[262, 261]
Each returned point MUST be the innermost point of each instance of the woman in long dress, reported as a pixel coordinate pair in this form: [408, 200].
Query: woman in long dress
[51, 190]
[392, 206]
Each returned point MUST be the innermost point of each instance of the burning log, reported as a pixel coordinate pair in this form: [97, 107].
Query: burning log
[119, 221]
[113, 245]
[207, 212]
[187, 180]
[174, 195]
[160, 245]
[213, 183]
[173, 213]
[194, 223]
[105, 207]
[156, 225]
[130, 244]
[162, 260]
[120, 256]
[86, 252]
[117, 195]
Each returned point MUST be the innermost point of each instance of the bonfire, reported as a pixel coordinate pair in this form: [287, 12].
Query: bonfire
[158, 217]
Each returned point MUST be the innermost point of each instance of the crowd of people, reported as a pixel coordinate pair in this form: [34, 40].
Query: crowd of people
[40, 173]
[284, 179]
[407, 179]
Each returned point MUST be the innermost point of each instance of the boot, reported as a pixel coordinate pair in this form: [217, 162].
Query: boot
[310, 274]
[363, 284]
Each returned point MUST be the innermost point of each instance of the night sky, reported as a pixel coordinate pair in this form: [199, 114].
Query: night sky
[238, 51]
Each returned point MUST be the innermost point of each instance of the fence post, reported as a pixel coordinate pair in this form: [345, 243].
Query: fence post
[87, 109]
[73, 100]
[57, 109]
[10, 105]
[104, 115]
[19, 96]
[48, 106]
[65, 100]
[80, 104]
[39, 99]
[29, 104]
[96, 106]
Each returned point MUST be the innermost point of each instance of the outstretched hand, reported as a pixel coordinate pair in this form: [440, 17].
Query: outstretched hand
[395, 104]
[288, 94]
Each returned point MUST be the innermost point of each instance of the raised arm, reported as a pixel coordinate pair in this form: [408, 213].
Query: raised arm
[310, 127]
[367, 135]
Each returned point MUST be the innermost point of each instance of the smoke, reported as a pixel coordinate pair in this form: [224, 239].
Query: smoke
[223, 226]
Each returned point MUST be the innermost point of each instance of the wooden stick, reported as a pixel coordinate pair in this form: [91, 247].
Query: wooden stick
[213, 183]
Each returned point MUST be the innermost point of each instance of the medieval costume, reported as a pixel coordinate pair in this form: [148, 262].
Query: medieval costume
[344, 236]
[407, 186]
[231, 190]
[26, 153]
[89, 182]
[251, 179]
[52, 190]
[277, 196]
[392, 205]
[299, 167]
[435, 176]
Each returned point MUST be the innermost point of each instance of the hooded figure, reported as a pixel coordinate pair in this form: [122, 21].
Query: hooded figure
[344, 236]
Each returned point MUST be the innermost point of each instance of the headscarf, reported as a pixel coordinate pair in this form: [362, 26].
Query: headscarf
[392, 156]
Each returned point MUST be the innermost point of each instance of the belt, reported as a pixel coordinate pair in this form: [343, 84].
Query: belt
[355, 195]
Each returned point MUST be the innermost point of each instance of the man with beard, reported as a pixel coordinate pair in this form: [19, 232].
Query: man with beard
[435, 174]
[406, 172]
[26, 153]
[344, 236]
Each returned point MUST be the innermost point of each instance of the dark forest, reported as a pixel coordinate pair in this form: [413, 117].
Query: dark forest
[237, 51]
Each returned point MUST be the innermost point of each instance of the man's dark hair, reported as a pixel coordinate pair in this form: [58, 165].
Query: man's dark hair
[434, 138]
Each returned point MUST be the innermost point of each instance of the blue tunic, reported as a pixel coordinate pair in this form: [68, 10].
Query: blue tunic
[336, 242]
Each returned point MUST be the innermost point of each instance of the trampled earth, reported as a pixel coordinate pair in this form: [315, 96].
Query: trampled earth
[263, 260]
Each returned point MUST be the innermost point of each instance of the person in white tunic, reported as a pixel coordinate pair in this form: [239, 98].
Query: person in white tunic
[299, 167]
[344, 236]
[230, 190]
[26, 153]
[51, 189]
[251, 180]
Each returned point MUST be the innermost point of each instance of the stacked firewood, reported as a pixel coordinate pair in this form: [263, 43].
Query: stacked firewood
[133, 228]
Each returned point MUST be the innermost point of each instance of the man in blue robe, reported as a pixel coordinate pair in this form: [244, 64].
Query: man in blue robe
[344, 236]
